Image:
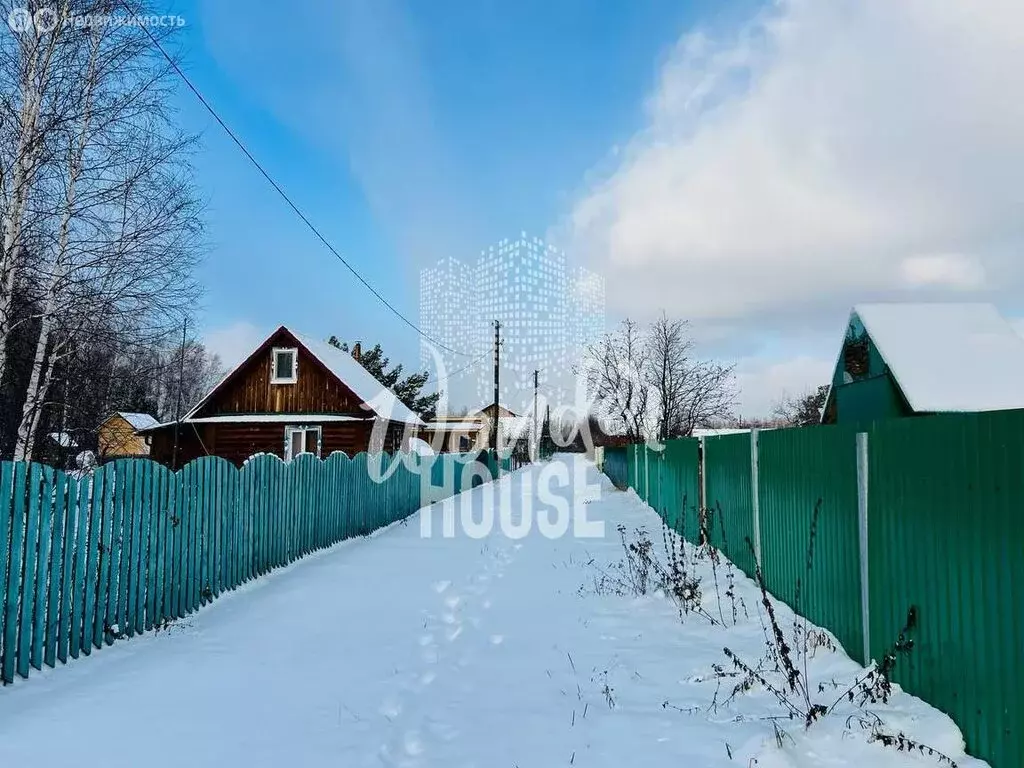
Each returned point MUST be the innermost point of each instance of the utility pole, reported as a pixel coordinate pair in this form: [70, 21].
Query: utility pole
[497, 362]
[536, 433]
[181, 382]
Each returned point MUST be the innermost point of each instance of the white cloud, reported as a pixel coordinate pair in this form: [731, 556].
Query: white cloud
[943, 269]
[827, 153]
[231, 343]
[764, 383]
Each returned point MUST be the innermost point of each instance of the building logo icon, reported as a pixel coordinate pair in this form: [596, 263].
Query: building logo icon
[549, 312]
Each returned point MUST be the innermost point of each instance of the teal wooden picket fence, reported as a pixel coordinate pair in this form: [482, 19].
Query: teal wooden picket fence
[85, 561]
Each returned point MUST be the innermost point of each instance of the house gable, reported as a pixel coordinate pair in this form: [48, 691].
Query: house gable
[249, 387]
[863, 388]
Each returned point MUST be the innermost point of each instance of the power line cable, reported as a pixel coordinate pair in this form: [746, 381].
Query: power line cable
[284, 196]
[488, 353]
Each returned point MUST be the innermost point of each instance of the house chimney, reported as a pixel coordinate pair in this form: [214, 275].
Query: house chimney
[357, 351]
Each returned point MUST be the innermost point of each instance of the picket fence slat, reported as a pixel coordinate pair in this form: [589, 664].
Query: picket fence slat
[28, 579]
[86, 561]
[84, 564]
[8, 591]
[67, 583]
[46, 488]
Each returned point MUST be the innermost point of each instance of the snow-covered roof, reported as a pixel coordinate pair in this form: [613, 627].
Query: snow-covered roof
[482, 411]
[717, 431]
[453, 426]
[382, 400]
[949, 357]
[63, 439]
[138, 420]
[262, 418]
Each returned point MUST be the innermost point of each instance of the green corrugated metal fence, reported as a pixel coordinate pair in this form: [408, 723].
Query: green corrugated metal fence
[946, 507]
[729, 502]
[800, 470]
[85, 561]
[615, 466]
[681, 495]
[937, 502]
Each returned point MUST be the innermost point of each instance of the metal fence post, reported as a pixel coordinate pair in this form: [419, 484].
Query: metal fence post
[756, 500]
[636, 468]
[862, 516]
[702, 469]
[647, 476]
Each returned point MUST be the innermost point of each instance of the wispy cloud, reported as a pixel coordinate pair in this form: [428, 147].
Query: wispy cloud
[348, 78]
[231, 343]
[823, 154]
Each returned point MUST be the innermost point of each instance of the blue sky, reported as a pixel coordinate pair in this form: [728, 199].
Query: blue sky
[407, 131]
[755, 167]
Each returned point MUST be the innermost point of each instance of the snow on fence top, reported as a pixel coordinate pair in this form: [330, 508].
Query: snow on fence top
[949, 357]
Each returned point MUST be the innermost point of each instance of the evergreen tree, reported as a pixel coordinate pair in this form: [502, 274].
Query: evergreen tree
[408, 389]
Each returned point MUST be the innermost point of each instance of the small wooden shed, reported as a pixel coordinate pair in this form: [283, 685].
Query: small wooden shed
[119, 434]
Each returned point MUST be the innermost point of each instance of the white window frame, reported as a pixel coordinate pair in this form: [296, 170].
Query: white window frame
[305, 429]
[274, 379]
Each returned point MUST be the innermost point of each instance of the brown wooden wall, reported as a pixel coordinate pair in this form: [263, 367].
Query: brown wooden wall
[116, 437]
[249, 389]
[237, 442]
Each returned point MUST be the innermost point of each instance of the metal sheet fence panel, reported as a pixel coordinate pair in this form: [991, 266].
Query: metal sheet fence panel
[800, 470]
[944, 531]
[616, 466]
[730, 513]
[680, 494]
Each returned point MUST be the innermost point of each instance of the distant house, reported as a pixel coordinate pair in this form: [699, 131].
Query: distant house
[455, 434]
[910, 359]
[118, 435]
[512, 428]
[290, 395]
[472, 432]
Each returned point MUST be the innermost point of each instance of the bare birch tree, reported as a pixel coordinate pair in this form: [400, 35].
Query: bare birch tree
[648, 383]
[616, 369]
[114, 205]
[30, 73]
[687, 392]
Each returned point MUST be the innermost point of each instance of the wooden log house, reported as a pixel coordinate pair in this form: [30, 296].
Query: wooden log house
[291, 395]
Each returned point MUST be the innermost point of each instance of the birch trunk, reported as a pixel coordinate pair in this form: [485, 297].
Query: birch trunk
[42, 366]
[14, 212]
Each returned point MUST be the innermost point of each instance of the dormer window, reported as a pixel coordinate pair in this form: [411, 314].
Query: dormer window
[284, 363]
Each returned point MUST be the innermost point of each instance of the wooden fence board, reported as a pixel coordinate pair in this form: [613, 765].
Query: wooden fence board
[46, 490]
[71, 546]
[11, 602]
[28, 581]
[86, 561]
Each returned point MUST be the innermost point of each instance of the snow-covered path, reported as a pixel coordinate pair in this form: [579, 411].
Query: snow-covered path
[402, 651]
